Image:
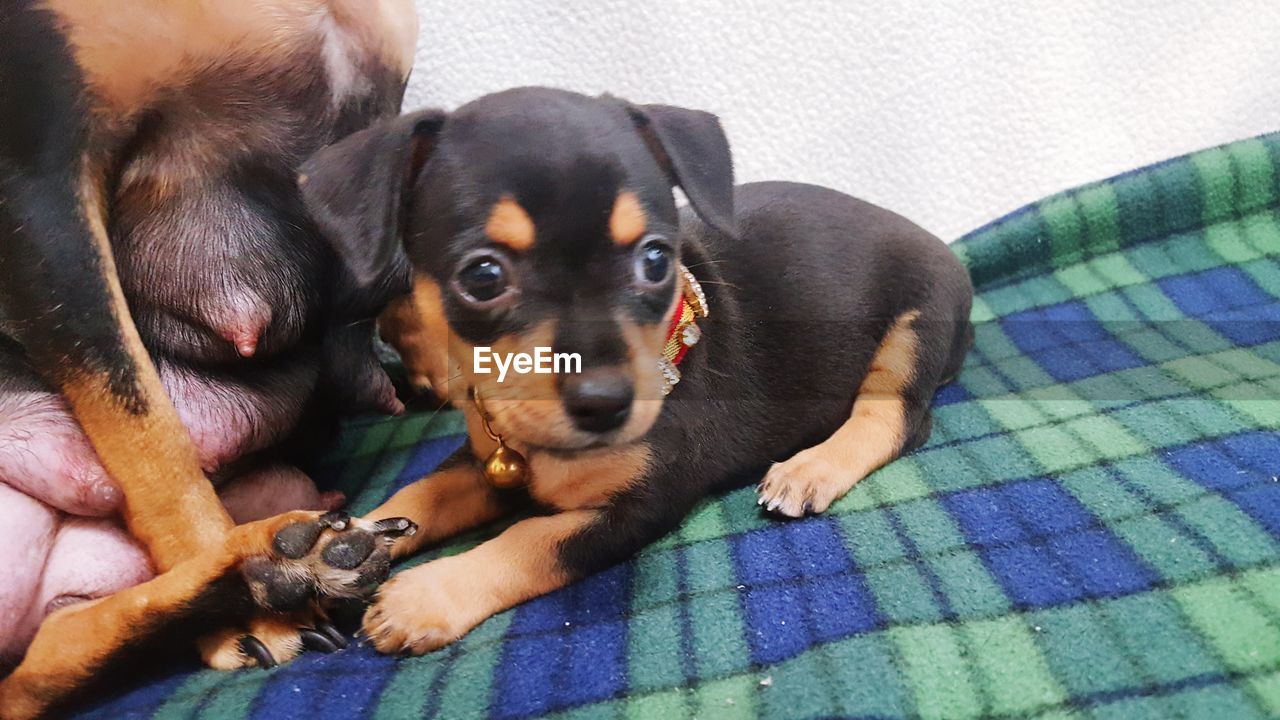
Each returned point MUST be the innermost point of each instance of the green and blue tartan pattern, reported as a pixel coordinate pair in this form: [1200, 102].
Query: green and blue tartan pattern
[1093, 529]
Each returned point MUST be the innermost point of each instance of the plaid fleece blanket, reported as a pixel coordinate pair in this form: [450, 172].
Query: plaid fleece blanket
[1093, 529]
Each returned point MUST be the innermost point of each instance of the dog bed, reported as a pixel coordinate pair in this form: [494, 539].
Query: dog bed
[1093, 529]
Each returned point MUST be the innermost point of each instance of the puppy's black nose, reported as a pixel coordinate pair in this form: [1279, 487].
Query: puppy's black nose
[598, 400]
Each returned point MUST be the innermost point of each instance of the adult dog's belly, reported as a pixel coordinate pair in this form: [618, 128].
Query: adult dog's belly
[237, 411]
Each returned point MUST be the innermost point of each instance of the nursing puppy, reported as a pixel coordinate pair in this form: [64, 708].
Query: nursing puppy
[800, 333]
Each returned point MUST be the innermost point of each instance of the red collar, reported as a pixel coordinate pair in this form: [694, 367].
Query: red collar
[682, 331]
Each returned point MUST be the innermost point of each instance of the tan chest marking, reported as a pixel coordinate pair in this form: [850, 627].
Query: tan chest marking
[586, 479]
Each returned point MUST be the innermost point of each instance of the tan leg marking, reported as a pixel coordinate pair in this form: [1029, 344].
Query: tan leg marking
[169, 504]
[510, 225]
[72, 644]
[429, 607]
[443, 504]
[873, 435]
[627, 222]
[128, 54]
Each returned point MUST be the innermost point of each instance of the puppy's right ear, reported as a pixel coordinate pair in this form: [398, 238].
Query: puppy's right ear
[355, 191]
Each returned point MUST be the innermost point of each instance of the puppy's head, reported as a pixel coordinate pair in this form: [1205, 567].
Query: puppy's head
[536, 223]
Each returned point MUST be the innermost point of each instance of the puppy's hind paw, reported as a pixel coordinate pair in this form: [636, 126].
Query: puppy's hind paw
[807, 483]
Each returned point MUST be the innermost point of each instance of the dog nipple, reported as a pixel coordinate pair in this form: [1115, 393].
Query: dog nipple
[245, 341]
[106, 493]
[245, 335]
[242, 320]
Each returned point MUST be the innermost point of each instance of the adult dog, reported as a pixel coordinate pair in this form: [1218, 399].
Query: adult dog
[157, 270]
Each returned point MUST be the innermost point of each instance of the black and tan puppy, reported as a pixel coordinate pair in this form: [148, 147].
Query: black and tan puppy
[153, 245]
[808, 332]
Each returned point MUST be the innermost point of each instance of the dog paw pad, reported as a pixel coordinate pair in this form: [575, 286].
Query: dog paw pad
[333, 555]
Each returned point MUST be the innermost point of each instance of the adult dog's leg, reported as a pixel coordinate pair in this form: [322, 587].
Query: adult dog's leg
[60, 296]
[62, 299]
[278, 564]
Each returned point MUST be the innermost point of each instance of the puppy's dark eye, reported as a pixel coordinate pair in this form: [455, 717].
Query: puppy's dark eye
[653, 262]
[482, 280]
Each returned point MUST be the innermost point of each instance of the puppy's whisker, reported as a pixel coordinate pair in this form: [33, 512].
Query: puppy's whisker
[434, 413]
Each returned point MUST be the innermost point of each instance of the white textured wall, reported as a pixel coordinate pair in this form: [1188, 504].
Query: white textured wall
[951, 115]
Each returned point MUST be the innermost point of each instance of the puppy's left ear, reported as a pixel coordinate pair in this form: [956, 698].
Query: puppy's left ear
[356, 191]
[691, 147]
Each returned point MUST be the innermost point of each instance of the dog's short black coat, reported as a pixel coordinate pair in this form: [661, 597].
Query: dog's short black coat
[800, 301]
[817, 300]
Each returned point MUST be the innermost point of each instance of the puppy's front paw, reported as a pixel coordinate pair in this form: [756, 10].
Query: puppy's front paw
[422, 610]
[807, 483]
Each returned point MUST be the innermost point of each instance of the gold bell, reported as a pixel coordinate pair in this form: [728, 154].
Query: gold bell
[505, 468]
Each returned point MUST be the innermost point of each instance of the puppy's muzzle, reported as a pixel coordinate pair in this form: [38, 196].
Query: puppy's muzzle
[598, 400]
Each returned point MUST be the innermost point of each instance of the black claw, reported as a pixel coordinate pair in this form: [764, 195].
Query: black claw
[317, 641]
[254, 648]
[348, 552]
[808, 507]
[395, 527]
[334, 634]
[297, 539]
[336, 520]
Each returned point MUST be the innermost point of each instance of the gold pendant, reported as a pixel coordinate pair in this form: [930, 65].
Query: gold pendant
[505, 468]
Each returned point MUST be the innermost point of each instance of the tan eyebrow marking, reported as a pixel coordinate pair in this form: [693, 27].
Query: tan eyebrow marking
[510, 225]
[627, 222]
